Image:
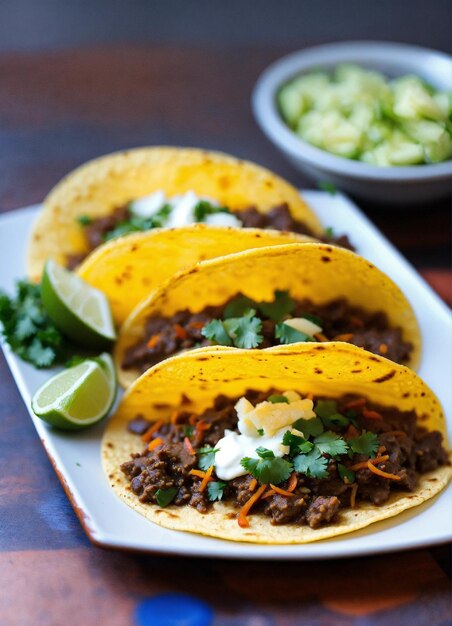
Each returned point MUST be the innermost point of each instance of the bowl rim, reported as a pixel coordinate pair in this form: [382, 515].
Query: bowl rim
[267, 116]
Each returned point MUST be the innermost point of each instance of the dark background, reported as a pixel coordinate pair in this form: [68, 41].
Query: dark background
[41, 24]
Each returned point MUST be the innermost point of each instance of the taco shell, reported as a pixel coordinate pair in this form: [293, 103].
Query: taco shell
[323, 369]
[129, 268]
[317, 271]
[96, 188]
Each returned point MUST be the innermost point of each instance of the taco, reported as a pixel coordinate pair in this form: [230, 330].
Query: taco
[290, 444]
[270, 296]
[129, 268]
[160, 187]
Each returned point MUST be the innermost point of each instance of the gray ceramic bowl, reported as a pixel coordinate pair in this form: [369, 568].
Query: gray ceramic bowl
[392, 185]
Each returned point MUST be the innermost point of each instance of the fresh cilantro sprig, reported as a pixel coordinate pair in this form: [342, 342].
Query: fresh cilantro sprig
[204, 208]
[137, 224]
[241, 332]
[331, 443]
[288, 334]
[165, 496]
[331, 417]
[268, 468]
[215, 490]
[28, 329]
[281, 306]
[206, 457]
[277, 399]
[367, 444]
[312, 464]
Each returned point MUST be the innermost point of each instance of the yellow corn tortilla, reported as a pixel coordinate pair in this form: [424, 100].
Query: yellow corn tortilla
[99, 186]
[317, 271]
[329, 369]
[129, 268]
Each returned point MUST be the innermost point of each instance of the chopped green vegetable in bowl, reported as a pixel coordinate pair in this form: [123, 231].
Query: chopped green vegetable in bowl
[362, 115]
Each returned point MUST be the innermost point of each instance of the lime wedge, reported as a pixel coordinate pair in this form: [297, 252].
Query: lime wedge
[80, 311]
[78, 396]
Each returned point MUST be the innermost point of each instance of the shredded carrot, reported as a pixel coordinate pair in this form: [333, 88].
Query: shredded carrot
[372, 415]
[202, 425]
[192, 419]
[188, 445]
[381, 449]
[355, 404]
[351, 432]
[354, 489]
[154, 443]
[364, 464]
[383, 348]
[197, 325]
[282, 492]
[357, 322]
[206, 479]
[198, 473]
[267, 494]
[153, 340]
[320, 337]
[241, 519]
[253, 485]
[380, 472]
[309, 395]
[293, 480]
[343, 337]
[180, 332]
[151, 430]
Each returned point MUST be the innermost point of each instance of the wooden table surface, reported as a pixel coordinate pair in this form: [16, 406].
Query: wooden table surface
[57, 110]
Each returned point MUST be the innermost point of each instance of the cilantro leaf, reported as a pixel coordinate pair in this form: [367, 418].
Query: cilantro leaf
[260, 432]
[165, 496]
[367, 444]
[204, 208]
[206, 457]
[215, 490]
[268, 468]
[312, 464]
[330, 443]
[312, 318]
[297, 444]
[346, 473]
[287, 334]
[327, 410]
[245, 331]
[276, 399]
[84, 220]
[281, 306]
[309, 427]
[188, 431]
[215, 331]
[238, 307]
[28, 329]
[329, 232]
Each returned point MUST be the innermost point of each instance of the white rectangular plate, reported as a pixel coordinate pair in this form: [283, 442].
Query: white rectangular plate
[109, 522]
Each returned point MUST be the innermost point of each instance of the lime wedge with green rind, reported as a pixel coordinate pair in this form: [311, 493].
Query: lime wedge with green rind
[80, 311]
[79, 396]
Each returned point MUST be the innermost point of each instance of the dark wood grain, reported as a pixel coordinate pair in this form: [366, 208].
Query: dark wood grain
[57, 110]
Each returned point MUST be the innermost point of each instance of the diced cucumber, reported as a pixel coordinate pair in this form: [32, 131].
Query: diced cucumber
[359, 114]
[413, 101]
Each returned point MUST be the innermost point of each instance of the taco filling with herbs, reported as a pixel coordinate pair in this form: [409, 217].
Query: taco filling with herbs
[244, 323]
[155, 211]
[299, 292]
[296, 460]
[284, 445]
[161, 187]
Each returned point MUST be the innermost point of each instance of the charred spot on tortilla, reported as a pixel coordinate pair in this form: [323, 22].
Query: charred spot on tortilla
[388, 376]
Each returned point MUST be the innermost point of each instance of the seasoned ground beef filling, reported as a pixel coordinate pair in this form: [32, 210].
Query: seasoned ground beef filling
[411, 450]
[167, 336]
[278, 218]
